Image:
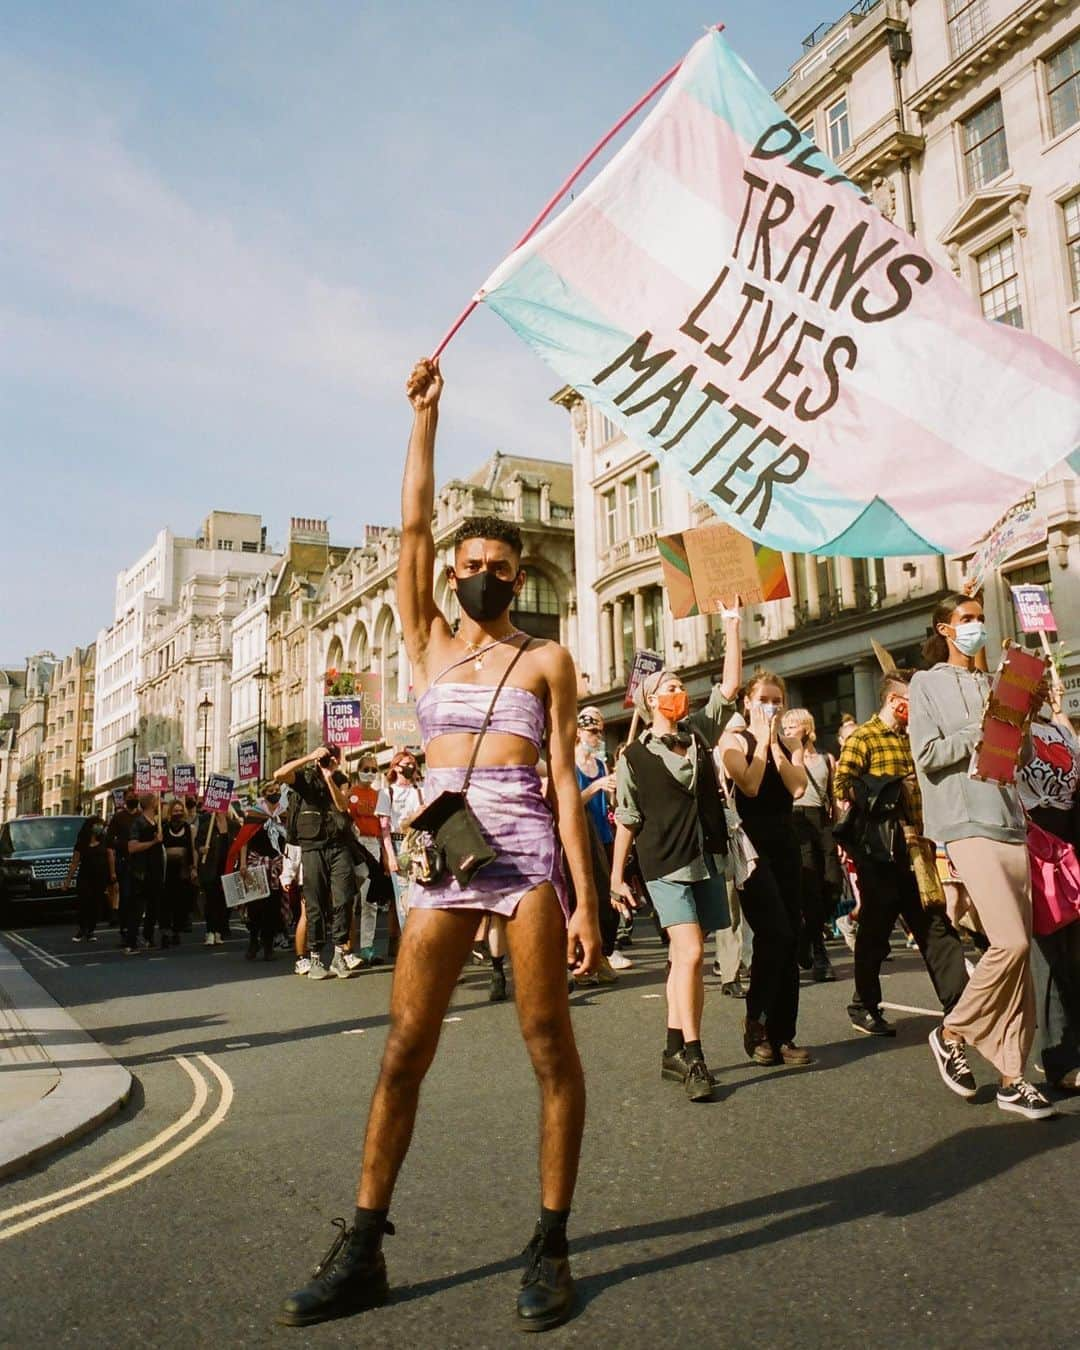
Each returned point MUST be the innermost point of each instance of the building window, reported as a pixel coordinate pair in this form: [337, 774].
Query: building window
[1071, 208]
[839, 128]
[627, 635]
[206, 677]
[999, 284]
[536, 609]
[608, 430]
[249, 546]
[611, 518]
[1063, 87]
[986, 154]
[968, 21]
[633, 504]
[530, 503]
[225, 544]
[656, 500]
[654, 619]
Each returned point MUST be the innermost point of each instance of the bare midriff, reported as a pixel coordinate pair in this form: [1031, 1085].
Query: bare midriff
[453, 750]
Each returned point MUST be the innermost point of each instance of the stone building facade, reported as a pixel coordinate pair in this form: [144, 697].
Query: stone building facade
[12, 694]
[32, 730]
[69, 733]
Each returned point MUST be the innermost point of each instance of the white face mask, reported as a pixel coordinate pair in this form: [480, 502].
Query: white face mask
[769, 709]
[365, 779]
[970, 637]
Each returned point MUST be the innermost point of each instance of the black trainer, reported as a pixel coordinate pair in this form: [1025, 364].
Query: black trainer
[350, 1278]
[675, 1067]
[1026, 1101]
[952, 1064]
[548, 1297]
[871, 1024]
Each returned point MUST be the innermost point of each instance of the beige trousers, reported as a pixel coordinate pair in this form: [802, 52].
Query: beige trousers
[996, 1012]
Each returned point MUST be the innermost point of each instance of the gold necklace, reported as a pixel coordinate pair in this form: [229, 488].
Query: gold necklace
[479, 650]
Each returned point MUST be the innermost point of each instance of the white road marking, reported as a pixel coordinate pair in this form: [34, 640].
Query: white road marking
[354, 1031]
[237, 1045]
[451, 1019]
[185, 1144]
[652, 996]
[903, 1007]
[32, 949]
[202, 1092]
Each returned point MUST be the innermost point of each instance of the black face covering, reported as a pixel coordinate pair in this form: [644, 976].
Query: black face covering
[484, 596]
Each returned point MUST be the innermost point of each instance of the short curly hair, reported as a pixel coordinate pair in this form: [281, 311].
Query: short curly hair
[488, 527]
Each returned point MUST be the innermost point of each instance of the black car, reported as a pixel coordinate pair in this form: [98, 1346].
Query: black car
[35, 854]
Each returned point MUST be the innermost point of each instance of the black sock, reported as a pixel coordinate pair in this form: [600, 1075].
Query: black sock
[694, 1050]
[552, 1230]
[497, 963]
[675, 1040]
[368, 1228]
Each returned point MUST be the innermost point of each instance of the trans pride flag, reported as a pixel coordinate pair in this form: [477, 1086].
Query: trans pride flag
[735, 304]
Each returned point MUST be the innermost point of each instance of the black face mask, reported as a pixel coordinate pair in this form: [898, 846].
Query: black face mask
[484, 596]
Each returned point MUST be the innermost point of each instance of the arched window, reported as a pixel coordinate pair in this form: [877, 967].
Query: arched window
[359, 650]
[335, 655]
[536, 609]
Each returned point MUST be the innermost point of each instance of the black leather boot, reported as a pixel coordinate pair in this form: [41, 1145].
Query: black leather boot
[350, 1278]
[547, 1295]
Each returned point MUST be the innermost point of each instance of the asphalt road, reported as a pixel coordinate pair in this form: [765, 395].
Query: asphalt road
[854, 1203]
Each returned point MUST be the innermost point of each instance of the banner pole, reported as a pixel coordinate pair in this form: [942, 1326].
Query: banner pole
[602, 144]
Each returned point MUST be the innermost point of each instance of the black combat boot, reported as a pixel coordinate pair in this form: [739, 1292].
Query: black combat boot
[350, 1278]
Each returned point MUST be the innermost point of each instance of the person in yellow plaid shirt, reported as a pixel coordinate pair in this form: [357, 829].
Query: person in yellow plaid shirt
[889, 889]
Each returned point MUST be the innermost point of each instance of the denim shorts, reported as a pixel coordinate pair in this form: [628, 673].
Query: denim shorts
[701, 902]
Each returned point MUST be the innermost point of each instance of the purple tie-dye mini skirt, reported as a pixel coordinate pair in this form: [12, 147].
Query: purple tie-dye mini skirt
[516, 820]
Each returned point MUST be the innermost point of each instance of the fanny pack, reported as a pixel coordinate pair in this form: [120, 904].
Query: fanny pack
[445, 836]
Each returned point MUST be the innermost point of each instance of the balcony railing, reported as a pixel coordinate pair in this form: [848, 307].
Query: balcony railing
[822, 31]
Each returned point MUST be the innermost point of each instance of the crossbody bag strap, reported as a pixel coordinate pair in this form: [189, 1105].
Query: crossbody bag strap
[490, 713]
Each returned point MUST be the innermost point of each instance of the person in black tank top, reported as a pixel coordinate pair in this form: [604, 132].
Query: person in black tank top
[768, 775]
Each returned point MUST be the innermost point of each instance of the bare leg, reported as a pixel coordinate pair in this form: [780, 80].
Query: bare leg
[496, 936]
[300, 940]
[433, 949]
[537, 939]
[686, 983]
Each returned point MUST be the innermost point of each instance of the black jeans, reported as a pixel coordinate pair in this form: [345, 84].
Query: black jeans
[264, 920]
[140, 906]
[772, 905]
[92, 902]
[889, 890]
[1055, 963]
[176, 899]
[329, 890]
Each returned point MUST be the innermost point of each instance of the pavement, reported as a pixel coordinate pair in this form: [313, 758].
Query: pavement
[56, 1082]
[853, 1203]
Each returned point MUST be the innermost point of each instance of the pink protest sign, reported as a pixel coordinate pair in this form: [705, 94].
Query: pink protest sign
[1033, 609]
[219, 791]
[184, 783]
[343, 721]
[159, 772]
[142, 776]
[247, 761]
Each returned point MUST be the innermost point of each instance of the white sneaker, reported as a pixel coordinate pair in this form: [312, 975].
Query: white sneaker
[620, 962]
[208, 941]
[353, 961]
[303, 965]
[340, 967]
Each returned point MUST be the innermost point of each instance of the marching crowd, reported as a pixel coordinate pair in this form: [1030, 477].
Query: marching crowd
[728, 822]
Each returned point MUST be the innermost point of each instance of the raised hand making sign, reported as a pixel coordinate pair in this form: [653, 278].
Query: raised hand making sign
[736, 305]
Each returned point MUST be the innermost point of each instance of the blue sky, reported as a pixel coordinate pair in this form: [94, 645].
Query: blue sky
[229, 226]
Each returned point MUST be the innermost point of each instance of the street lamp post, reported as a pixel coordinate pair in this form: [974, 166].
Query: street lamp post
[260, 677]
[204, 708]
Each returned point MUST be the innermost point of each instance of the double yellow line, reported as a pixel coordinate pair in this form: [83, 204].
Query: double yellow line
[118, 1176]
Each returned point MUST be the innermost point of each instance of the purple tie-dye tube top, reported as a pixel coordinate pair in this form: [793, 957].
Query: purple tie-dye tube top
[446, 709]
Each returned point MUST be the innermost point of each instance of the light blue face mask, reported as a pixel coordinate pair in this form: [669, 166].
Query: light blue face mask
[970, 637]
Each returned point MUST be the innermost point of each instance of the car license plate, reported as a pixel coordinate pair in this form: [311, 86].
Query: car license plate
[56, 885]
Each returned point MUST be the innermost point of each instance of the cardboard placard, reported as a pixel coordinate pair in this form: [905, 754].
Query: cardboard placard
[184, 782]
[1009, 709]
[646, 663]
[400, 727]
[219, 791]
[705, 569]
[142, 776]
[247, 761]
[159, 772]
[1033, 612]
[369, 687]
[343, 721]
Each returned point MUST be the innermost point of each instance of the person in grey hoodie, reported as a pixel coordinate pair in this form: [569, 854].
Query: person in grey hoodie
[982, 827]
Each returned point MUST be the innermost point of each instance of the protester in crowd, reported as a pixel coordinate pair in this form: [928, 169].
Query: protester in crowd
[95, 879]
[259, 844]
[181, 875]
[369, 810]
[982, 826]
[597, 786]
[768, 775]
[813, 819]
[324, 832]
[1049, 786]
[116, 838]
[875, 755]
[670, 810]
[146, 867]
[273, 804]
[405, 787]
[458, 674]
[212, 844]
[846, 727]
[292, 883]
